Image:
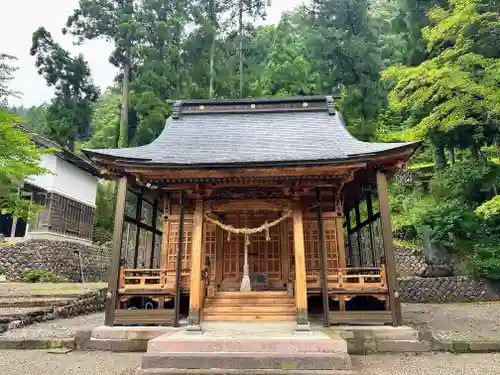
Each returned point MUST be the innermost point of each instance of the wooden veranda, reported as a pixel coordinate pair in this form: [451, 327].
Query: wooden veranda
[256, 220]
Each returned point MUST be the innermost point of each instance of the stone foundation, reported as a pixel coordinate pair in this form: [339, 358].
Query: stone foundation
[445, 289]
[59, 257]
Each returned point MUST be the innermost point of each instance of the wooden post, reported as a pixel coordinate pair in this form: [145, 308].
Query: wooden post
[138, 213]
[166, 233]
[178, 269]
[383, 196]
[114, 268]
[153, 234]
[219, 255]
[357, 216]
[300, 268]
[369, 208]
[322, 259]
[285, 263]
[196, 266]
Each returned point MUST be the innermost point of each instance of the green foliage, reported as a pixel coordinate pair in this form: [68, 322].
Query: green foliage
[105, 212]
[489, 209]
[42, 276]
[105, 121]
[67, 118]
[19, 159]
[467, 182]
[453, 97]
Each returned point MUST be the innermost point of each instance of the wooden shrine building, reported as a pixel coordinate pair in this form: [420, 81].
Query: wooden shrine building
[269, 210]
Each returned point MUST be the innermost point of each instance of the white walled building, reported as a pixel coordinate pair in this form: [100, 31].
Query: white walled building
[68, 195]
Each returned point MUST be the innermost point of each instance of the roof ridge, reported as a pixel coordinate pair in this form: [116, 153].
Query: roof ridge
[253, 105]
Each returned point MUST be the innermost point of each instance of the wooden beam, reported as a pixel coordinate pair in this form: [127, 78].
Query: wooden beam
[153, 233]
[317, 171]
[300, 267]
[322, 258]
[178, 269]
[195, 292]
[114, 269]
[394, 300]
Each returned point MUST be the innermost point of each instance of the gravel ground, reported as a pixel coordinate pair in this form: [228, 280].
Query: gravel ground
[428, 364]
[40, 362]
[59, 328]
[28, 289]
[456, 321]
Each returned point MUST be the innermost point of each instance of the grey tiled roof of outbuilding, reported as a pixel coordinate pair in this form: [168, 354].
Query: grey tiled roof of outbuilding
[251, 138]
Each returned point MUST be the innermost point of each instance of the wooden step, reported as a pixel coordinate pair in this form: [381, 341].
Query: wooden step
[260, 317]
[244, 295]
[248, 302]
[255, 309]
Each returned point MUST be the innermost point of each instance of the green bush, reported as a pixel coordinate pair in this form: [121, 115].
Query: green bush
[42, 276]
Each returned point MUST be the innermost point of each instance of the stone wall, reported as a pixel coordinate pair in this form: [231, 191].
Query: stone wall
[446, 289]
[409, 262]
[60, 257]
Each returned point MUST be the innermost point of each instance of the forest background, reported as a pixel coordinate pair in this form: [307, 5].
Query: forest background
[402, 70]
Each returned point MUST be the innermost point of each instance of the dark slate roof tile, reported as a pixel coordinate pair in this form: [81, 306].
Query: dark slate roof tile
[229, 138]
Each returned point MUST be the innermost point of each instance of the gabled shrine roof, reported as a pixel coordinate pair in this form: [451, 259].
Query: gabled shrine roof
[276, 131]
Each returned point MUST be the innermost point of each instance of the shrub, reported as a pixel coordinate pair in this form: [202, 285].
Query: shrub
[42, 276]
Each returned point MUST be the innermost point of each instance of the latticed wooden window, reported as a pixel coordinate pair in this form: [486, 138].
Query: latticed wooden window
[210, 246]
[173, 241]
[331, 246]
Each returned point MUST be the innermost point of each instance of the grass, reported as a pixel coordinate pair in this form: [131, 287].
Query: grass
[414, 245]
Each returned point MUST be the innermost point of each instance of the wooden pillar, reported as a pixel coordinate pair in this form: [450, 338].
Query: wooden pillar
[195, 294]
[138, 213]
[219, 254]
[166, 233]
[300, 268]
[114, 268]
[383, 196]
[153, 234]
[322, 259]
[178, 269]
[285, 263]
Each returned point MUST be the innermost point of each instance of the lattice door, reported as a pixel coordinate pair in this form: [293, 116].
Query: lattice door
[173, 241]
[231, 257]
[265, 257]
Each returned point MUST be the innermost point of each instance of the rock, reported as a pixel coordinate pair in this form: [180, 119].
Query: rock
[3, 279]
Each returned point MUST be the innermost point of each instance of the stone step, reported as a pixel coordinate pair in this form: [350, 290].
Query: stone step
[13, 313]
[246, 361]
[217, 371]
[34, 302]
[287, 345]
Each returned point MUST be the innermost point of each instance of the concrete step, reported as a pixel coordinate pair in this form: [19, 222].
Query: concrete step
[217, 371]
[246, 361]
[289, 345]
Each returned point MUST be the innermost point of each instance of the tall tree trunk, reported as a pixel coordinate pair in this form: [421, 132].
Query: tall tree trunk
[212, 15]
[178, 36]
[123, 139]
[241, 46]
